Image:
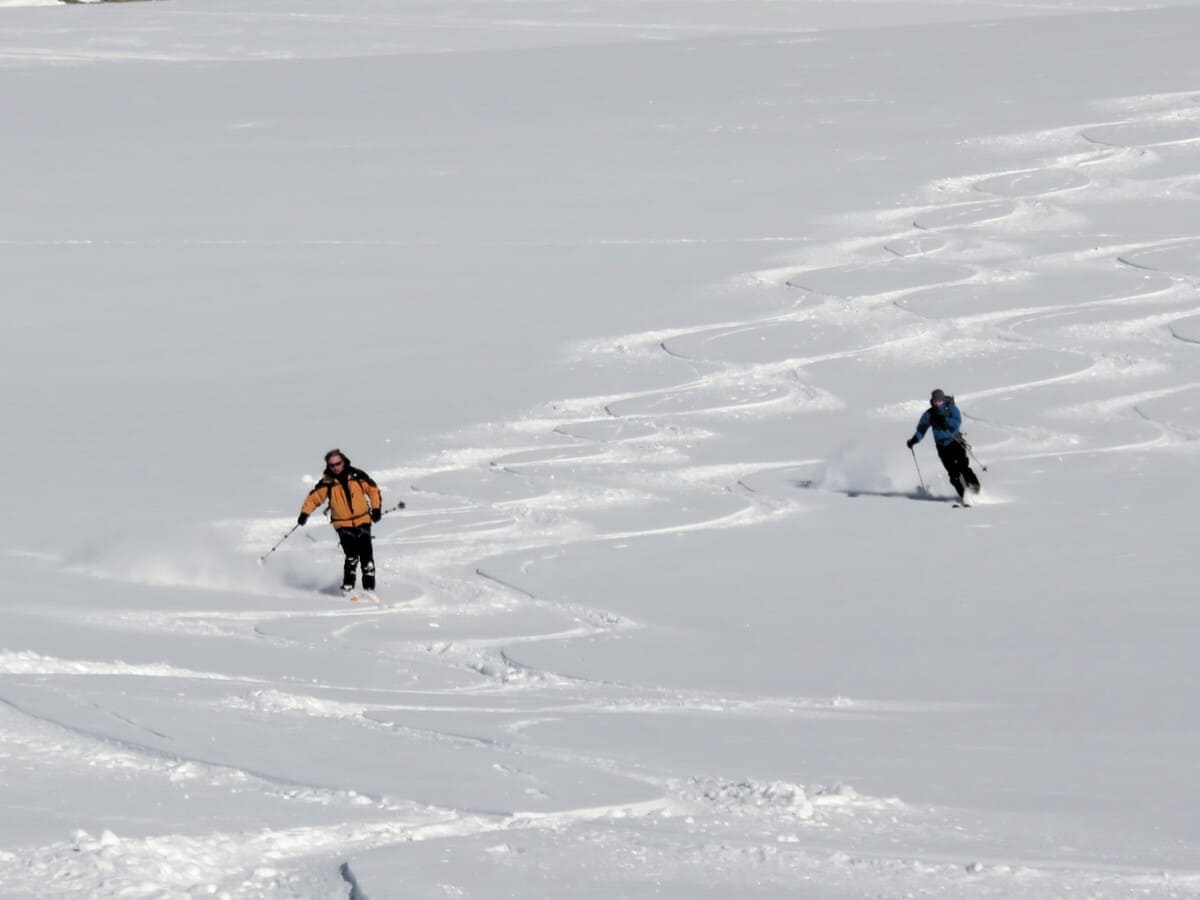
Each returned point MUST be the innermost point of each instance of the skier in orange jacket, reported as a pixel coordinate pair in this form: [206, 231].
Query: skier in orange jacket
[354, 503]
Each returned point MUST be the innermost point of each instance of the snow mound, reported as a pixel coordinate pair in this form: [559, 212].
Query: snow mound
[173, 865]
[282, 703]
[778, 799]
[782, 796]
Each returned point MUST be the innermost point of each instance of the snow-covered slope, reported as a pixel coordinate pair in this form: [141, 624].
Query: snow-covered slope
[633, 305]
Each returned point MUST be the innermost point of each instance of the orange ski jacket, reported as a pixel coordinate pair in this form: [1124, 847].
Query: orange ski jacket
[351, 498]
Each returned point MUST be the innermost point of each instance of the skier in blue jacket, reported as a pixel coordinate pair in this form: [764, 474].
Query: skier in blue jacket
[945, 420]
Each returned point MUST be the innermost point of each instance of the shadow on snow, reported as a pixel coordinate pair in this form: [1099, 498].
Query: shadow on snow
[915, 494]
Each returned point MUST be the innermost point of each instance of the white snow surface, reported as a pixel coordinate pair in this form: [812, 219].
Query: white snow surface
[633, 304]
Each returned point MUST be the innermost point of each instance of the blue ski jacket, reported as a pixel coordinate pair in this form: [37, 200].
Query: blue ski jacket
[945, 423]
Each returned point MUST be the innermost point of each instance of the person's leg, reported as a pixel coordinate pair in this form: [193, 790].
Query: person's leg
[366, 553]
[963, 465]
[349, 542]
[968, 473]
[953, 467]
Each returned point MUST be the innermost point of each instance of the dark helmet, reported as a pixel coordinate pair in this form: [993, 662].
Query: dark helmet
[938, 394]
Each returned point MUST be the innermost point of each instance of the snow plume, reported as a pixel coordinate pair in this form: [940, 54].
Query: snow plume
[859, 469]
[196, 558]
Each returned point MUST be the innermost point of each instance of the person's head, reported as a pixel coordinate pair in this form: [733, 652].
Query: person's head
[937, 398]
[336, 462]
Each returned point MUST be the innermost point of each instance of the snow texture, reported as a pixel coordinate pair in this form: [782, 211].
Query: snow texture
[634, 305]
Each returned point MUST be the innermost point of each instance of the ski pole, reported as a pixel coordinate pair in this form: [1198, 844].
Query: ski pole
[924, 489]
[392, 509]
[971, 452]
[262, 560]
[976, 458]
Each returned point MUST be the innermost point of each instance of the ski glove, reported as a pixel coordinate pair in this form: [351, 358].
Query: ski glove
[910, 442]
[376, 515]
[303, 518]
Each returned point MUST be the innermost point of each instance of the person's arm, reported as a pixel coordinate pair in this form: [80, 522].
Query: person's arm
[922, 427]
[953, 418]
[315, 498]
[371, 489]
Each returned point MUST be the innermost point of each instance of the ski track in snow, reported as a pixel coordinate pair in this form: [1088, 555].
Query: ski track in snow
[571, 473]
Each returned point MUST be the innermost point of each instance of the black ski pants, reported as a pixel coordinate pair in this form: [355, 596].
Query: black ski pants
[954, 457]
[356, 544]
